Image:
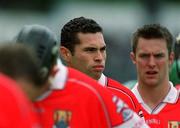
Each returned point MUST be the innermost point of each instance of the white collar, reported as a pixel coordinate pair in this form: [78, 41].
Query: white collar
[136, 93]
[102, 80]
[171, 97]
[59, 80]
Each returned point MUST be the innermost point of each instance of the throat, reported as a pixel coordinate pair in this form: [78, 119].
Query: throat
[153, 97]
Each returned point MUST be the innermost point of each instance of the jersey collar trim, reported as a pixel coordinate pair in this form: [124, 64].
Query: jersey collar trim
[172, 96]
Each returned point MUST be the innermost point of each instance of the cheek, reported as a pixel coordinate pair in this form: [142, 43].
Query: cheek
[140, 63]
[141, 66]
[163, 62]
[104, 53]
[82, 59]
[105, 56]
[164, 65]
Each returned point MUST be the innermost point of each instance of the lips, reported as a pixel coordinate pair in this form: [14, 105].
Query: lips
[98, 68]
[151, 72]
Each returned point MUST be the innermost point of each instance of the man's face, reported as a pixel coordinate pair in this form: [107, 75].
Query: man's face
[152, 61]
[90, 54]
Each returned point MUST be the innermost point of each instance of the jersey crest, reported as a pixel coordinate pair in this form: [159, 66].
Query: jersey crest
[173, 124]
[62, 119]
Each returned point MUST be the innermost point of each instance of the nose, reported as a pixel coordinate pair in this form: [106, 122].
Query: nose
[152, 62]
[99, 56]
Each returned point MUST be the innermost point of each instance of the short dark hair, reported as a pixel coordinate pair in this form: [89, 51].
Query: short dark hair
[152, 31]
[70, 30]
[18, 61]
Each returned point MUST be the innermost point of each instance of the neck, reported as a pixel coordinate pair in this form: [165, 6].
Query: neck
[38, 91]
[152, 96]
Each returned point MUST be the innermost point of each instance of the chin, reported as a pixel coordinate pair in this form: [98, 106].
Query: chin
[97, 76]
[151, 83]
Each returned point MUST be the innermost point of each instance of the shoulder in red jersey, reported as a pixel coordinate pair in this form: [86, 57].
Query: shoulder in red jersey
[83, 103]
[124, 93]
[15, 108]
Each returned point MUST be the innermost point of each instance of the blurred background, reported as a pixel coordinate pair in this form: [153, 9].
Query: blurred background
[118, 18]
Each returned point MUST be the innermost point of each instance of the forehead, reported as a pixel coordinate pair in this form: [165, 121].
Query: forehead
[95, 39]
[151, 45]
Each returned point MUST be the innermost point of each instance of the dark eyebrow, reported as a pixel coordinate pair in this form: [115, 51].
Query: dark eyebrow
[157, 55]
[144, 54]
[90, 48]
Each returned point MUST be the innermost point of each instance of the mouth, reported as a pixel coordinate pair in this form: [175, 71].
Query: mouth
[151, 73]
[98, 68]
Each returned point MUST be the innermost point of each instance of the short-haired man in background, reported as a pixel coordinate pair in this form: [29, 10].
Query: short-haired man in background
[152, 54]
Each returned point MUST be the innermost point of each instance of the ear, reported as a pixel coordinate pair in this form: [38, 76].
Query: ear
[133, 57]
[171, 58]
[65, 54]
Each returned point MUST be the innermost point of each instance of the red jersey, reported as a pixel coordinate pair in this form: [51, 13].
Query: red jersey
[15, 109]
[76, 100]
[166, 114]
[121, 91]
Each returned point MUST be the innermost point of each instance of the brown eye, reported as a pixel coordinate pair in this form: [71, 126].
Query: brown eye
[90, 49]
[103, 49]
[158, 56]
